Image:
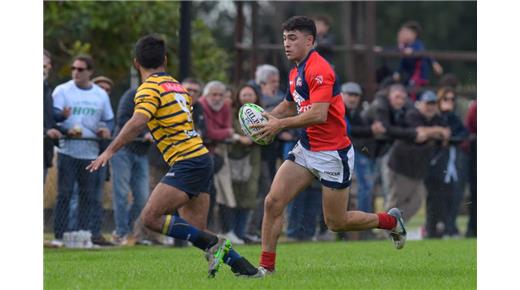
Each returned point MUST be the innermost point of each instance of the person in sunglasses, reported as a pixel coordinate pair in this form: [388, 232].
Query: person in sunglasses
[88, 115]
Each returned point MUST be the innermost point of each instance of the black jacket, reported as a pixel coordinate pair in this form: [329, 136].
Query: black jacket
[394, 122]
[125, 111]
[360, 132]
[409, 158]
[48, 123]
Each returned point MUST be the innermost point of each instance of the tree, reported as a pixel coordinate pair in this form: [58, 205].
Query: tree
[109, 30]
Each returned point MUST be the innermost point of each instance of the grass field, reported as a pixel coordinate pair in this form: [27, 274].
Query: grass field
[439, 264]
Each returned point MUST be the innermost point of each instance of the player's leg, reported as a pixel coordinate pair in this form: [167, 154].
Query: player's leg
[334, 169]
[195, 212]
[290, 179]
[157, 216]
[338, 219]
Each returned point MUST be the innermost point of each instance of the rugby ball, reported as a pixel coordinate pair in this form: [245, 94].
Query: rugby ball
[248, 115]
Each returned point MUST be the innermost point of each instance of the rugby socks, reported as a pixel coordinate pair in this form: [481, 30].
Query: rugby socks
[267, 260]
[386, 221]
[231, 257]
[178, 228]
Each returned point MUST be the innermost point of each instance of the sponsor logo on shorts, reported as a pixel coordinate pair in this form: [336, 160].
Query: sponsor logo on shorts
[170, 174]
[331, 173]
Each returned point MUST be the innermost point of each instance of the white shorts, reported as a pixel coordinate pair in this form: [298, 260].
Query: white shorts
[333, 168]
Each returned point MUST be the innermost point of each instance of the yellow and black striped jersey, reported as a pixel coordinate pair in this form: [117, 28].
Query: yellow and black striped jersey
[168, 105]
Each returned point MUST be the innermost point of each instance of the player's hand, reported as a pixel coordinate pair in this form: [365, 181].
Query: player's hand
[53, 133]
[267, 130]
[103, 133]
[102, 160]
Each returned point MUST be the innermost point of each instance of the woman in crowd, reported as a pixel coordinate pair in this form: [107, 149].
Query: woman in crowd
[244, 159]
[445, 174]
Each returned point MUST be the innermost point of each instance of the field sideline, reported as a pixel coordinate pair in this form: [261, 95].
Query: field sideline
[431, 264]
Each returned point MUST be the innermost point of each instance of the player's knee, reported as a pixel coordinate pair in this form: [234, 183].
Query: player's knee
[272, 203]
[334, 225]
[148, 219]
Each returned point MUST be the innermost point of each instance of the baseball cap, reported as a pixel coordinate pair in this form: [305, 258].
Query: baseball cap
[428, 96]
[351, 88]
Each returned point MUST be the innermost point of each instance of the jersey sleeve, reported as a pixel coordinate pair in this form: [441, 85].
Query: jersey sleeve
[58, 98]
[108, 113]
[147, 101]
[321, 85]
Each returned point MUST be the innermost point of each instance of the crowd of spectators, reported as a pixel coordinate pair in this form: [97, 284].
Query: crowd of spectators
[411, 145]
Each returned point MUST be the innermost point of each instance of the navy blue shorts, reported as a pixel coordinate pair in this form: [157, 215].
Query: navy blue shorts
[192, 176]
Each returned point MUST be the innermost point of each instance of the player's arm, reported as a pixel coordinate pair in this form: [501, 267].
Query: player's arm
[284, 109]
[135, 126]
[317, 114]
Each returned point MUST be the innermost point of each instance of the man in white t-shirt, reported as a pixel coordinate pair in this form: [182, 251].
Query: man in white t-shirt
[91, 116]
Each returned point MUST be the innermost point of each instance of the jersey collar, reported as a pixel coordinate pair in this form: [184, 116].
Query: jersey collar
[306, 58]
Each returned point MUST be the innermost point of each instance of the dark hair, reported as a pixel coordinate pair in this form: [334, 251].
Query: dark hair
[301, 23]
[150, 51]
[414, 26]
[86, 59]
[236, 100]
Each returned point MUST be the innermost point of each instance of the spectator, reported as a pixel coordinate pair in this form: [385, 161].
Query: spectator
[324, 39]
[361, 132]
[413, 72]
[409, 159]
[244, 159]
[388, 109]
[228, 96]
[443, 200]
[267, 78]
[219, 130]
[105, 83]
[91, 116]
[451, 81]
[130, 173]
[50, 129]
[471, 124]
[194, 88]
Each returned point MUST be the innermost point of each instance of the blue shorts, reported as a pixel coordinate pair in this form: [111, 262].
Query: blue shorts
[192, 176]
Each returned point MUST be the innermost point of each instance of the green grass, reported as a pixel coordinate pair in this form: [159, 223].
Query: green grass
[440, 264]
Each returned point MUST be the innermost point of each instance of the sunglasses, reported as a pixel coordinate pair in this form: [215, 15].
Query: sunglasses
[449, 99]
[79, 69]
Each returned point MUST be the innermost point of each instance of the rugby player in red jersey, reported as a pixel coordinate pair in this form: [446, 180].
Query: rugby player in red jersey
[324, 151]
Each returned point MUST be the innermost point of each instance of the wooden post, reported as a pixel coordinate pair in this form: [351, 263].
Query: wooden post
[370, 78]
[184, 43]
[239, 33]
[254, 32]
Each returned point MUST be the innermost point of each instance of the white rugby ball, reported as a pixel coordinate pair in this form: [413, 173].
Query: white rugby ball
[248, 115]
